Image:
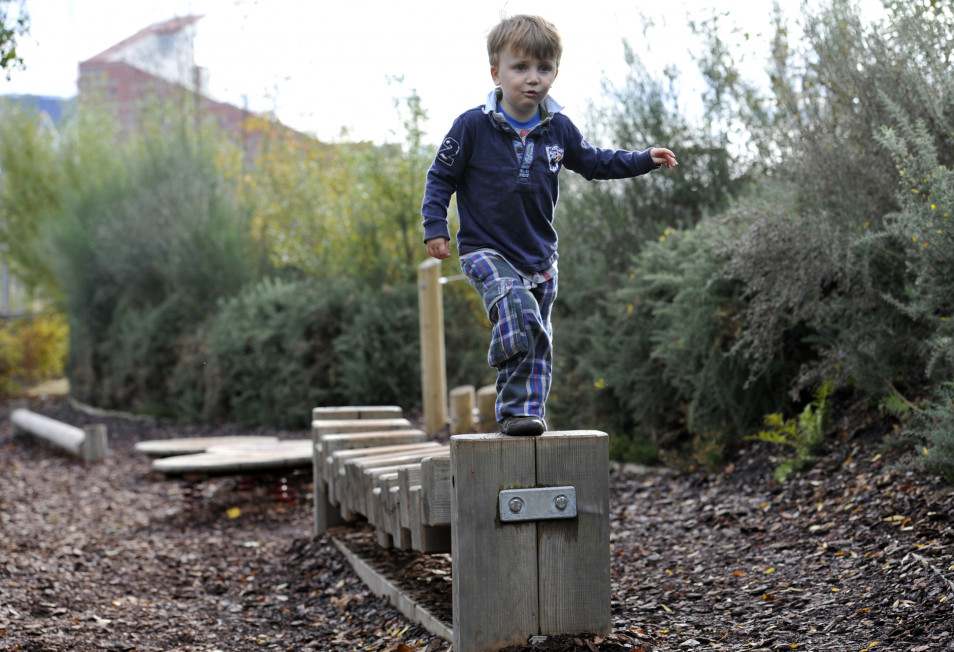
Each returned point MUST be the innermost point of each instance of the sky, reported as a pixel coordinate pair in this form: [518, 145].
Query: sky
[329, 68]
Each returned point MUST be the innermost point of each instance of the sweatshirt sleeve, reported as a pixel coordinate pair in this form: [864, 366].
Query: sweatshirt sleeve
[596, 163]
[442, 180]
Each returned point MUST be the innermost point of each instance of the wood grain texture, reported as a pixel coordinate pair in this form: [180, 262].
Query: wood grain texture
[574, 554]
[495, 568]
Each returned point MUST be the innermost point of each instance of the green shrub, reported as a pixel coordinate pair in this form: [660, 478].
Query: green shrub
[272, 352]
[803, 283]
[466, 337]
[935, 424]
[921, 234]
[378, 354]
[658, 366]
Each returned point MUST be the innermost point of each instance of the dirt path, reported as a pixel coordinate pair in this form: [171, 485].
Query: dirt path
[852, 555]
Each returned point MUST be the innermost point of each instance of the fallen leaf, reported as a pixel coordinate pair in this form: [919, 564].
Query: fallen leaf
[402, 647]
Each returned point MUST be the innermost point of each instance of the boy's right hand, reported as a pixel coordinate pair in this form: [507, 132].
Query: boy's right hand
[438, 248]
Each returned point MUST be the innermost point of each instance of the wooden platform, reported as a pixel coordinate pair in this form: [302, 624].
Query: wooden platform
[225, 459]
[189, 445]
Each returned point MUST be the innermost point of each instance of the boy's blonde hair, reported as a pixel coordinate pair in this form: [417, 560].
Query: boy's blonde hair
[525, 36]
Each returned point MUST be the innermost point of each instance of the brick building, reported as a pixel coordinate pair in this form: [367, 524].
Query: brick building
[153, 73]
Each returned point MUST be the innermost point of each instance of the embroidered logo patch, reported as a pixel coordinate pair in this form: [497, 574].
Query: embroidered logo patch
[449, 149]
[554, 156]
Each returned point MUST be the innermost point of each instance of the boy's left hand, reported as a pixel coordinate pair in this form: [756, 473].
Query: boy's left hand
[663, 156]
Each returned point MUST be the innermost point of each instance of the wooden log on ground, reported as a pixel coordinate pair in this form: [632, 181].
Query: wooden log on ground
[88, 442]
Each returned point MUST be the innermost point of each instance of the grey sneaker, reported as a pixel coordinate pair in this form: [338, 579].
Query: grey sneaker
[522, 426]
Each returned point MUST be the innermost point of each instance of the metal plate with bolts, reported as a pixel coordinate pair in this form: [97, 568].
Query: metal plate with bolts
[537, 503]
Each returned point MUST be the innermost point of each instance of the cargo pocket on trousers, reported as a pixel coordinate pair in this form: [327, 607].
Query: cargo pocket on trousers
[509, 337]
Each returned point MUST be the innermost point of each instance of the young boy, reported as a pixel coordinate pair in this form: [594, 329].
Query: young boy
[503, 159]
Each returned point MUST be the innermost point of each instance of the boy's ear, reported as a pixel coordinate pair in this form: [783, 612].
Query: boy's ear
[494, 75]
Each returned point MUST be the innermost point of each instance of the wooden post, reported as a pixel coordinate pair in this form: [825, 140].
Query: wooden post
[495, 567]
[463, 401]
[574, 554]
[486, 409]
[433, 370]
[514, 580]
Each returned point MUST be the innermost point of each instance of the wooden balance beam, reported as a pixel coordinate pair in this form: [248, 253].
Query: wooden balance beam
[526, 521]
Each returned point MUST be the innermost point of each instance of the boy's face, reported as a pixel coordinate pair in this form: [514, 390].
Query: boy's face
[524, 80]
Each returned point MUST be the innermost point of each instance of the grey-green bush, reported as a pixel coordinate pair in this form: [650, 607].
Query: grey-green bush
[142, 257]
[272, 352]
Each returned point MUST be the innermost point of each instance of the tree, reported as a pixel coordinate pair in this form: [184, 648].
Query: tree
[14, 24]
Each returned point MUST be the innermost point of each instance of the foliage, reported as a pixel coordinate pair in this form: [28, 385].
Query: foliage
[32, 179]
[142, 256]
[921, 233]
[805, 434]
[605, 223]
[331, 209]
[662, 367]
[271, 352]
[379, 358]
[13, 25]
[803, 284]
[935, 425]
[466, 337]
[32, 349]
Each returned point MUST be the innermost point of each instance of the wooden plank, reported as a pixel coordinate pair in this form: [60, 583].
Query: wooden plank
[400, 535]
[334, 471]
[340, 413]
[332, 426]
[574, 554]
[436, 490]
[495, 579]
[425, 539]
[358, 479]
[328, 444]
[239, 459]
[408, 476]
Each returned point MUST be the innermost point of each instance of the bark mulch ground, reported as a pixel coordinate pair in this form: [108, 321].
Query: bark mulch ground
[854, 554]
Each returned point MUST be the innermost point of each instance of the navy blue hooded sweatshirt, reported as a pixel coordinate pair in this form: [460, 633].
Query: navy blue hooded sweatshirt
[507, 190]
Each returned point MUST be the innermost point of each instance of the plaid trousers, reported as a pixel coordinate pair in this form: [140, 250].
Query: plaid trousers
[521, 345]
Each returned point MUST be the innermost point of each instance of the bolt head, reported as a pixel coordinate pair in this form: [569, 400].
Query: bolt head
[516, 505]
[561, 502]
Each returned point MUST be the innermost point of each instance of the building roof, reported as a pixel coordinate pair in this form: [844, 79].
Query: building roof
[165, 27]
